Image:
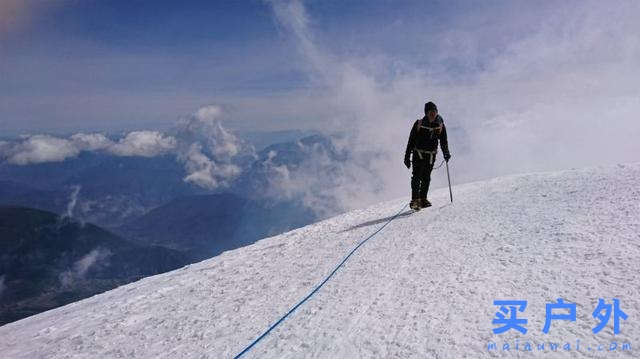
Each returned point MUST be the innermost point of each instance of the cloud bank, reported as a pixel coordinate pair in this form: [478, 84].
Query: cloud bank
[45, 148]
[522, 87]
[143, 143]
[314, 181]
[551, 88]
[40, 149]
[199, 141]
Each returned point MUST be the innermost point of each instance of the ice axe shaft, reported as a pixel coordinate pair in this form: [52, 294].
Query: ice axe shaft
[449, 179]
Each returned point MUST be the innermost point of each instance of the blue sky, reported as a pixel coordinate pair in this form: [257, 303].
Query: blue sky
[522, 85]
[121, 65]
[71, 65]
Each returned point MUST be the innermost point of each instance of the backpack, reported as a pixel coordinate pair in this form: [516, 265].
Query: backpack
[435, 130]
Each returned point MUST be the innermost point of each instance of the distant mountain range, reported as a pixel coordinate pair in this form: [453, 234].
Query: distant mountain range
[206, 225]
[113, 190]
[74, 228]
[47, 261]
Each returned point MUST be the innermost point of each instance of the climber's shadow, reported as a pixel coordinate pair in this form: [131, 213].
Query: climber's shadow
[376, 221]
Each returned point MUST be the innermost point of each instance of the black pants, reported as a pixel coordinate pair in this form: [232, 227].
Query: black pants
[421, 176]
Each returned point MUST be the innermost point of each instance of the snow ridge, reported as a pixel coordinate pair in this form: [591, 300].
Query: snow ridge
[320, 285]
[424, 288]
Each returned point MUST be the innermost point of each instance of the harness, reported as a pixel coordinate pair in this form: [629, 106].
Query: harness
[432, 154]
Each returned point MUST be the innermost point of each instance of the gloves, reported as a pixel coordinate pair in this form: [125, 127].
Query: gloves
[407, 162]
[447, 156]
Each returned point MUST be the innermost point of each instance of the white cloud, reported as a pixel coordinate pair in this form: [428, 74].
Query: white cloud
[91, 142]
[82, 266]
[204, 171]
[199, 141]
[41, 148]
[205, 126]
[73, 198]
[363, 112]
[561, 94]
[207, 149]
[200, 168]
[228, 145]
[554, 87]
[143, 143]
[320, 182]
[208, 113]
[33, 149]
[45, 148]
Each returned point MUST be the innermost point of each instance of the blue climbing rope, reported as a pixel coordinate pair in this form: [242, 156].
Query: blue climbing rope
[318, 287]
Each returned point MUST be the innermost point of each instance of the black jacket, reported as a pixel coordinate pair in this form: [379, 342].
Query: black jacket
[427, 135]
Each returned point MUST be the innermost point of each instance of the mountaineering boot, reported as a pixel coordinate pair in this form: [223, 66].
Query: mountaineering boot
[424, 203]
[415, 204]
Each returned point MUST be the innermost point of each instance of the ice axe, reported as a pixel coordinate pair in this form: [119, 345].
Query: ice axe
[449, 179]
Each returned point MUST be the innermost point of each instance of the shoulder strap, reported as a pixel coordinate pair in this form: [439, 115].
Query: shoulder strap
[438, 128]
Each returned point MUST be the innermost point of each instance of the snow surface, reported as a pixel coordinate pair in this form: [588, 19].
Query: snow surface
[423, 287]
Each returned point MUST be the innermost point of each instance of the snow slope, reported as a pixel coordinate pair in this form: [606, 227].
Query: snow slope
[423, 287]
